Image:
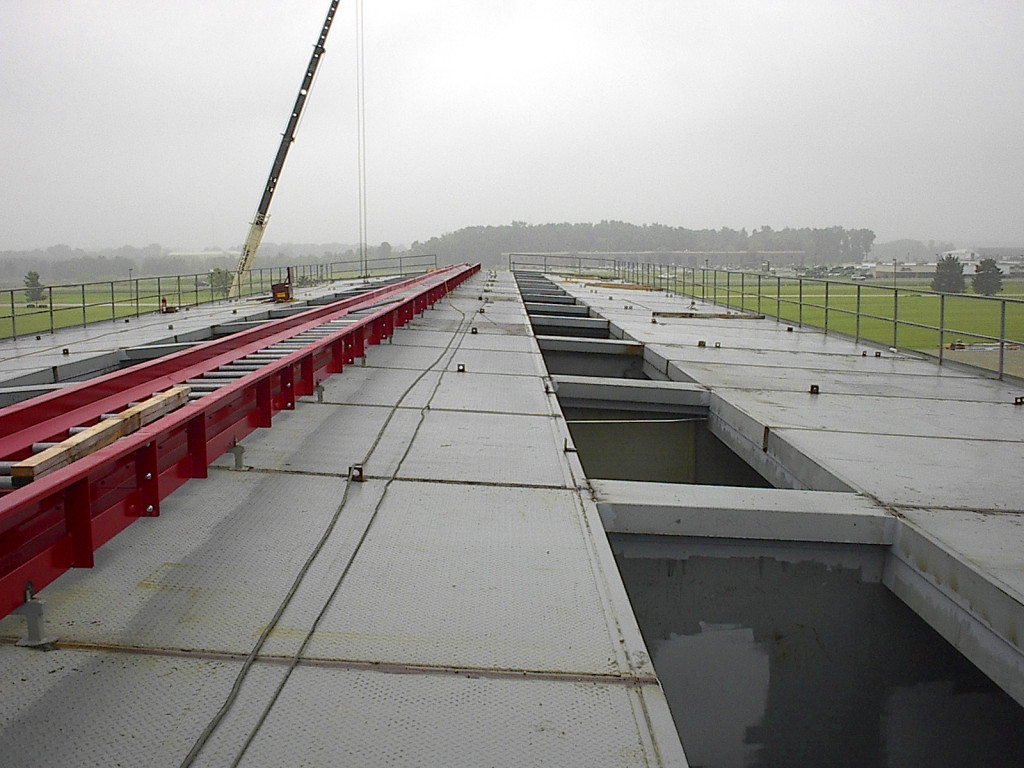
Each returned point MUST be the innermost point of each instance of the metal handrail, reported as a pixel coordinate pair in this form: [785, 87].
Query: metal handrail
[78, 304]
[752, 291]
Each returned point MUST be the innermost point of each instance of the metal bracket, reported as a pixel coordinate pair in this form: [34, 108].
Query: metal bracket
[355, 473]
[32, 610]
[237, 451]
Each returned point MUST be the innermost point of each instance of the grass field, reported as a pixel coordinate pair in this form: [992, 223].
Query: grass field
[966, 317]
[66, 306]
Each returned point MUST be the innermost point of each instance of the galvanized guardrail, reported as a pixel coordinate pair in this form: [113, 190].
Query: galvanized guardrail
[940, 325]
[44, 309]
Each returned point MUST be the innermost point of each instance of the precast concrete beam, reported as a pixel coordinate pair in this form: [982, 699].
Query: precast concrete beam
[981, 616]
[557, 310]
[548, 298]
[762, 514]
[635, 393]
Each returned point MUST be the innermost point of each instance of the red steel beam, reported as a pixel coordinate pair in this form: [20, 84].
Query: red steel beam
[58, 521]
[48, 417]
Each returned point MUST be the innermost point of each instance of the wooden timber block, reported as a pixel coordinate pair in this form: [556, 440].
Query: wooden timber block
[98, 436]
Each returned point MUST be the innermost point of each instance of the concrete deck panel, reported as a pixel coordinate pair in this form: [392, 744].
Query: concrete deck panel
[461, 607]
[489, 448]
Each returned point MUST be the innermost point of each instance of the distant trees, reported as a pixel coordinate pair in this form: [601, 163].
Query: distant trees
[486, 244]
[33, 288]
[949, 275]
[988, 278]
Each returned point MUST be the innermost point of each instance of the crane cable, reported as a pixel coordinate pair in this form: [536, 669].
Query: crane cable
[361, 135]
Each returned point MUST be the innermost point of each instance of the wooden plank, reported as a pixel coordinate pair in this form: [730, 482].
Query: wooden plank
[98, 436]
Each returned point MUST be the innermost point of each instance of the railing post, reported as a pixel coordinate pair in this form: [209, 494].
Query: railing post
[84, 321]
[895, 317]
[826, 306]
[942, 327]
[1002, 336]
[759, 293]
[800, 302]
[113, 313]
[856, 318]
[14, 325]
[50, 289]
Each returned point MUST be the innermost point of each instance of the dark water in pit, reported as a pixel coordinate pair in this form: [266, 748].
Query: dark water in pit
[655, 447]
[798, 657]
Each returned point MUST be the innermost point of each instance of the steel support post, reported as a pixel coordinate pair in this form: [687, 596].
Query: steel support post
[147, 472]
[196, 437]
[78, 519]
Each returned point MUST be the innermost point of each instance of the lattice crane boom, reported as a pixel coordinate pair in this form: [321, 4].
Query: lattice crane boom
[259, 222]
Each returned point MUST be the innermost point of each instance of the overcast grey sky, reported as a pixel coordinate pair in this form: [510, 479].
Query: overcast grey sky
[137, 121]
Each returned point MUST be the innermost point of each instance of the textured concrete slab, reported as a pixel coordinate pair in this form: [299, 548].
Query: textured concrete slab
[494, 361]
[206, 575]
[489, 448]
[405, 601]
[840, 379]
[485, 392]
[327, 439]
[460, 606]
[922, 471]
[373, 385]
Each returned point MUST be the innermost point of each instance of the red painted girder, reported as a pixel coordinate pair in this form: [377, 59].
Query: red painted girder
[49, 416]
[57, 521]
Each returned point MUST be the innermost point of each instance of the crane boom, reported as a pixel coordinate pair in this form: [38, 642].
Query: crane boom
[259, 222]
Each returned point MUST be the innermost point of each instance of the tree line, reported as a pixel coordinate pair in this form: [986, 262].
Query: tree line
[60, 264]
[487, 243]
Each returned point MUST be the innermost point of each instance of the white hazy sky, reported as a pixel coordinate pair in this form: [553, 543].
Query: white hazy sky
[137, 121]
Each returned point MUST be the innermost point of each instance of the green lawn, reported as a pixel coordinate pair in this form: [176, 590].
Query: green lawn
[63, 306]
[966, 317]
[71, 305]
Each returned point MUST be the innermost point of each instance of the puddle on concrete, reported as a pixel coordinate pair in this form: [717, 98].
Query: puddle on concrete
[658, 447]
[793, 656]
